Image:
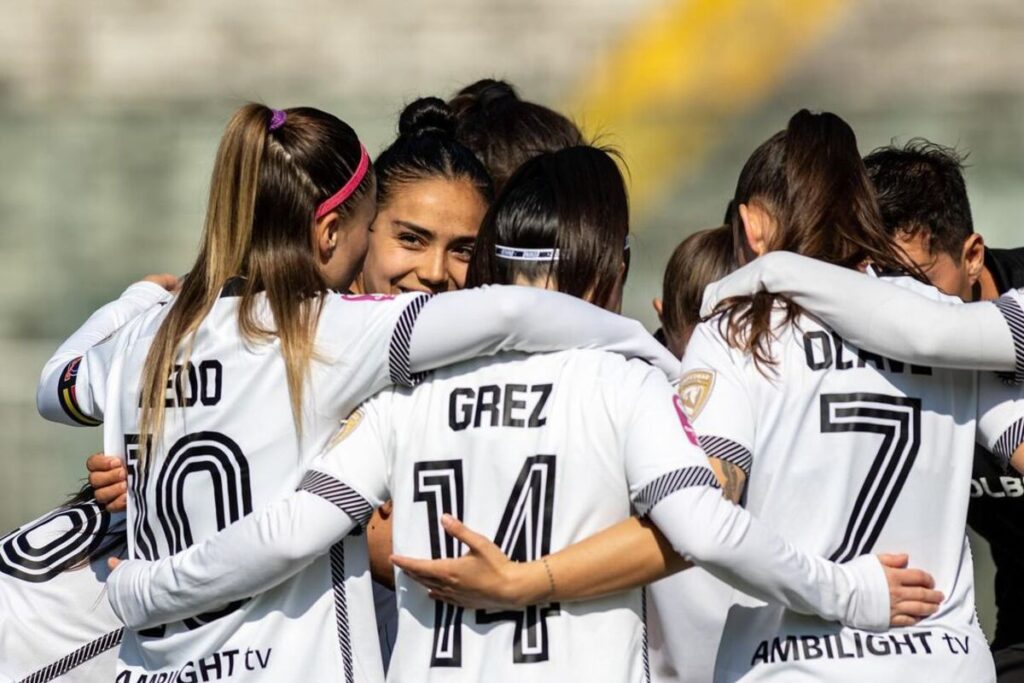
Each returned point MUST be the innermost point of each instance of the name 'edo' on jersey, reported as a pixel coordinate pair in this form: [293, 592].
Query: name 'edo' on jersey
[230, 446]
[850, 453]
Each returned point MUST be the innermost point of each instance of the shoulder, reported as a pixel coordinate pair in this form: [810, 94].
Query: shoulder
[918, 287]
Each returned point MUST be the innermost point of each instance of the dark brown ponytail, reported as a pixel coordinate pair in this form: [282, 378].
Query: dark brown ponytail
[810, 178]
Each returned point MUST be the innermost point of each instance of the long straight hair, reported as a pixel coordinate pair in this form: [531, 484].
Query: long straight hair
[265, 188]
[810, 179]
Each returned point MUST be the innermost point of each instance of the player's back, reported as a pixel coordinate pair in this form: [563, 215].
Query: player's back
[230, 446]
[852, 453]
[527, 450]
[55, 623]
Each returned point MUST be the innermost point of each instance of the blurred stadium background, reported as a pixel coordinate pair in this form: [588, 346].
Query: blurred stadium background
[110, 113]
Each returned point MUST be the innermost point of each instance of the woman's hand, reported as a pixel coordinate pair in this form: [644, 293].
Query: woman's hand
[109, 480]
[169, 282]
[483, 578]
[911, 591]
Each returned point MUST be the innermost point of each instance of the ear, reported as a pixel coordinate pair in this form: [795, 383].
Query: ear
[657, 309]
[974, 256]
[756, 226]
[325, 236]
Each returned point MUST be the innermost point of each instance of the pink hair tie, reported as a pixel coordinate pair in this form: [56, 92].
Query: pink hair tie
[336, 199]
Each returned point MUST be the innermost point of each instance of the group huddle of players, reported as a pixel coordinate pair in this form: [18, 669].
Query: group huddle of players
[391, 425]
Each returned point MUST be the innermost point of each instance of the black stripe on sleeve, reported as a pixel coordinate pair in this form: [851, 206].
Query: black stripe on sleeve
[1014, 316]
[76, 658]
[401, 339]
[667, 484]
[727, 451]
[66, 395]
[339, 494]
[1009, 441]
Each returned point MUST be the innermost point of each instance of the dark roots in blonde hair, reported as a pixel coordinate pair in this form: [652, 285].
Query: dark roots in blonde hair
[265, 188]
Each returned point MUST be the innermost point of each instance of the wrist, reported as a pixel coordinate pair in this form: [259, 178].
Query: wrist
[530, 583]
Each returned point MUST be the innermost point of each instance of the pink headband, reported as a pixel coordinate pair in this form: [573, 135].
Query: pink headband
[335, 200]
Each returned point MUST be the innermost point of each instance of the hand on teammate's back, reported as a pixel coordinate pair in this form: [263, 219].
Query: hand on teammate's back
[109, 481]
[483, 578]
[169, 282]
[912, 594]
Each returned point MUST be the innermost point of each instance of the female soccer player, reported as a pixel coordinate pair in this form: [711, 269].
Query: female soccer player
[55, 623]
[808, 409]
[218, 399]
[545, 449]
[432, 194]
[805, 410]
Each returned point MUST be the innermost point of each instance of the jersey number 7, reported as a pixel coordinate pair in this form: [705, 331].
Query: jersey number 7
[898, 420]
[524, 534]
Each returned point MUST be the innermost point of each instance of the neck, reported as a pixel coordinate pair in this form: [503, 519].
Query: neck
[989, 290]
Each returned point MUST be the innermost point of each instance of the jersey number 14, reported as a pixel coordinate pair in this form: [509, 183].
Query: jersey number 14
[524, 534]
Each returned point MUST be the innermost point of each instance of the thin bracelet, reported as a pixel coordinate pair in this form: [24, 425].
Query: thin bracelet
[551, 577]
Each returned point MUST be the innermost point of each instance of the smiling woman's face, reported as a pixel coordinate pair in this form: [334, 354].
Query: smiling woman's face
[422, 239]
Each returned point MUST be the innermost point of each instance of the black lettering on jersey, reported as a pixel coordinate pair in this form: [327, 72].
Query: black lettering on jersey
[460, 408]
[512, 404]
[188, 384]
[827, 351]
[819, 356]
[489, 404]
[535, 417]
[493, 405]
[841, 363]
[865, 358]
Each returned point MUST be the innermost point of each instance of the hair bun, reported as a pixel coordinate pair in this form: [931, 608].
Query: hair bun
[487, 91]
[427, 115]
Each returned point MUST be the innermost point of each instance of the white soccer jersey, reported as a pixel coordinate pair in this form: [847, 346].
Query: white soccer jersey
[851, 453]
[229, 447]
[539, 452]
[55, 623]
[229, 450]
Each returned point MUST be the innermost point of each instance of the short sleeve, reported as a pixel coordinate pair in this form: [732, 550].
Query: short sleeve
[661, 451]
[354, 472]
[1011, 305]
[715, 398]
[1000, 417]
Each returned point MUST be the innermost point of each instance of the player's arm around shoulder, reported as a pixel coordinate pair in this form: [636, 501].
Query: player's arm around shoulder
[1000, 427]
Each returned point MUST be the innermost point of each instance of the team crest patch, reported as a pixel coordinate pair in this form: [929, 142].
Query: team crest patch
[694, 390]
[348, 426]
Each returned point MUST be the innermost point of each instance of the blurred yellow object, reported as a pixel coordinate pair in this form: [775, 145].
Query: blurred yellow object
[683, 71]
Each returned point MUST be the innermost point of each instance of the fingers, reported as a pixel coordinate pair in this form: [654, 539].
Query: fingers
[112, 562]
[102, 479]
[165, 280]
[120, 504]
[98, 462]
[894, 560]
[463, 533]
[917, 594]
[110, 495]
[911, 577]
[416, 566]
